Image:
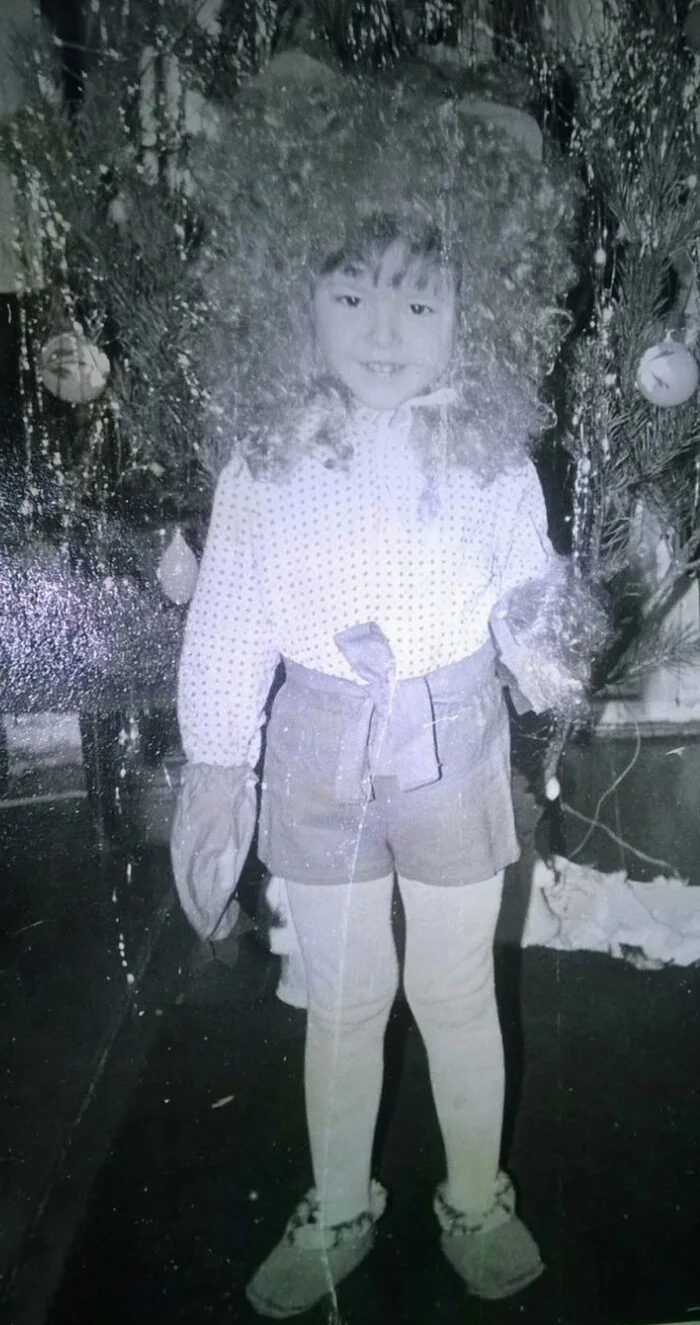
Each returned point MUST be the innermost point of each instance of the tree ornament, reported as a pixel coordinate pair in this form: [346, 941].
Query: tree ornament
[73, 369]
[178, 570]
[297, 68]
[667, 373]
[516, 123]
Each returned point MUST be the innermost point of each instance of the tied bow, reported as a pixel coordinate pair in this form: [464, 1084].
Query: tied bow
[401, 710]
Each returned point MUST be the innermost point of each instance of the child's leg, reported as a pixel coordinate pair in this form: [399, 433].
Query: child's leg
[449, 983]
[347, 944]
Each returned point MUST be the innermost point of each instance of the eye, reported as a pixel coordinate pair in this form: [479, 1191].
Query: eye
[349, 300]
[421, 309]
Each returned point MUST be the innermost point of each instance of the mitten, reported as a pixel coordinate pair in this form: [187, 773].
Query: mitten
[209, 843]
[547, 633]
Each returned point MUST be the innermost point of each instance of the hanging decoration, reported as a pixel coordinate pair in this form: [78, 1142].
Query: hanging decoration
[668, 373]
[73, 369]
[178, 570]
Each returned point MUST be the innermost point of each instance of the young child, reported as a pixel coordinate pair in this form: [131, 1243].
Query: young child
[378, 514]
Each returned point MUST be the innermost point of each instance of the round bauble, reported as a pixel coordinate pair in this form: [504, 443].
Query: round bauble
[178, 570]
[667, 373]
[73, 369]
[296, 67]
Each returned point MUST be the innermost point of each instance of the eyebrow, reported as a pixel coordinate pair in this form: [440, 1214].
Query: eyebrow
[349, 271]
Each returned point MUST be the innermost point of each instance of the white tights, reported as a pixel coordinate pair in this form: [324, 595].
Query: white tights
[346, 939]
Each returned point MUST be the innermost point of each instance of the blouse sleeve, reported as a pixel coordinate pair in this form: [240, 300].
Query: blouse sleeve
[229, 658]
[523, 549]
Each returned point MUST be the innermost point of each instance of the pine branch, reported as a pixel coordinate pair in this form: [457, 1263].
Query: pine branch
[636, 130]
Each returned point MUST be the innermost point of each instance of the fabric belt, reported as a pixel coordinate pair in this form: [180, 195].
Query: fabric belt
[387, 719]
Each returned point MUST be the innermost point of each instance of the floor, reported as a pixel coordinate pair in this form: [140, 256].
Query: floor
[156, 1134]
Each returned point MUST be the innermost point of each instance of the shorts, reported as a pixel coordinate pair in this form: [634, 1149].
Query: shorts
[458, 829]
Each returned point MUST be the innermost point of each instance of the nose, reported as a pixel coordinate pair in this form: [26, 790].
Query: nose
[383, 331]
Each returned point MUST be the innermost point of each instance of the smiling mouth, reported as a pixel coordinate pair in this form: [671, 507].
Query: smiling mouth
[383, 369]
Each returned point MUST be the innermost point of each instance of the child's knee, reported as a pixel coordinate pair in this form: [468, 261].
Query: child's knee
[337, 997]
[463, 995]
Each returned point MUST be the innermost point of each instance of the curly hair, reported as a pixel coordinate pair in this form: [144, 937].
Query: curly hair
[305, 174]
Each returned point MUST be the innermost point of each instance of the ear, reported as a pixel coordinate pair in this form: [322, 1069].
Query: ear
[520, 126]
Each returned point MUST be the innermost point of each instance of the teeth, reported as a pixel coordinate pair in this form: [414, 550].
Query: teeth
[383, 369]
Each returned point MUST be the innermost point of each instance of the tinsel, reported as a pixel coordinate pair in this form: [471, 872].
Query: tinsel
[561, 627]
[73, 639]
[298, 169]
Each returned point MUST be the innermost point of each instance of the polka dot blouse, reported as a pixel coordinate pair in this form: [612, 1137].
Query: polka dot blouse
[287, 566]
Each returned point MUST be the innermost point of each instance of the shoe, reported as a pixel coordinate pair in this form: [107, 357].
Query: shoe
[311, 1259]
[493, 1253]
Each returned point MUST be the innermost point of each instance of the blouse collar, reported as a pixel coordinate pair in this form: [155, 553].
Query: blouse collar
[393, 419]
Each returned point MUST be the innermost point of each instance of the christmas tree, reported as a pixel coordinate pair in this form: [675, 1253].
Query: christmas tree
[626, 384]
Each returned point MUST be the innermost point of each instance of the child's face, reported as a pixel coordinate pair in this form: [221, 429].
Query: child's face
[386, 332]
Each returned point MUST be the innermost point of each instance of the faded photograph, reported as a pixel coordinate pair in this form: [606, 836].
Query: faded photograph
[349, 661]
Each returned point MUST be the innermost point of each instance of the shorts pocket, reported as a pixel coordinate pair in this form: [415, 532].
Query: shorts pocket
[469, 733]
[304, 740]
